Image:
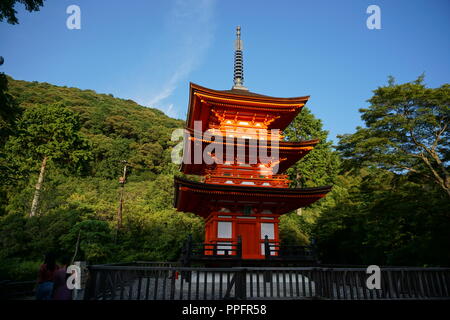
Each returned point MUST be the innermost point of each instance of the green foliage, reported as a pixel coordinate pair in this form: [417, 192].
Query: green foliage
[159, 235]
[375, 213]
[321, 165]
[116, 129]
[18, 269]
[384, 218]
[292, 230]
[407, 130]
[95, 242]
[387, 207]
[50, 131]
[7, 9]
[9, 110]
[86, 204]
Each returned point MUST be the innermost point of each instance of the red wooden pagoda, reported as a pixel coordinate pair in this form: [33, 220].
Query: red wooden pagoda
[241, 195]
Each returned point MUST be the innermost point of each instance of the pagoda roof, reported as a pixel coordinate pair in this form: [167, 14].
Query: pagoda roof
[200, 198]
[289, 152]
[202, 99]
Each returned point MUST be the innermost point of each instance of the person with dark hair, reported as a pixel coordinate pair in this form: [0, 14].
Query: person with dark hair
[60, 289]
[45, 277]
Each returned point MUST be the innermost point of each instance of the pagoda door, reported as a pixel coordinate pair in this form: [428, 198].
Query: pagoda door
[249, 237]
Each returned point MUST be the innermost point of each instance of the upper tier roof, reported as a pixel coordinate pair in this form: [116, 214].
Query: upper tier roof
[202, 100]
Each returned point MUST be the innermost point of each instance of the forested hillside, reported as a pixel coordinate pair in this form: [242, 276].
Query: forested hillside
[81, 199]
[385, 208]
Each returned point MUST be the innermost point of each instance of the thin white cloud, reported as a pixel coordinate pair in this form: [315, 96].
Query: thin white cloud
[169, 109]
[190, 23]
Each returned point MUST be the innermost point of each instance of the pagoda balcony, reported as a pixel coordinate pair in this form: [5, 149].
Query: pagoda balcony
[275, 181]
[277, 251]
[212, 250]
[244, 132]
[273, 252]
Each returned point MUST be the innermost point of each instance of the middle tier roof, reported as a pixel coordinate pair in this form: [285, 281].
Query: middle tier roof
[288, 152]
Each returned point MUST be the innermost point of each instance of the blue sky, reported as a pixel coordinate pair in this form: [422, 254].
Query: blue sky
[148, 51]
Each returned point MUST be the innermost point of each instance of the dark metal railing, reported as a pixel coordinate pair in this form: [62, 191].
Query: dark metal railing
[182, 283]
[16, 289]
[220, 251]
[277, 251]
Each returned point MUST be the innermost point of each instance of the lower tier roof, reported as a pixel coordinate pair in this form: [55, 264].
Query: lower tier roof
[203, 198]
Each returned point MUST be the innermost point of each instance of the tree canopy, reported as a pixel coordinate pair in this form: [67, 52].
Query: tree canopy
[83, 201]
[8, 12]
[50, 131]
[321, 165]
[407, 130]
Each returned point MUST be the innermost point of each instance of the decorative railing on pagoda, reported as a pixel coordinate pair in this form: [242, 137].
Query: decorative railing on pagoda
[234, 174]
[273, 251]
[192, 251]
[255, 180]
[277, 251]
[226, 132]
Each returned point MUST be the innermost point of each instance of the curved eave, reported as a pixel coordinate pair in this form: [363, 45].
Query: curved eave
[290, 151]
[282, 143]
[290, 107]
[194, 196]
[247, 95]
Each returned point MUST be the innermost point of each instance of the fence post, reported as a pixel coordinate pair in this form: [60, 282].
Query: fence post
[91, 284]
[316, 274]
[172, 284]
[186, 252]
[241, 284]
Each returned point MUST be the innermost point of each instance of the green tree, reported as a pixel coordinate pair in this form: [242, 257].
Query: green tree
[407, 130]
[47, 133]
[94, 238]
[384, 218]
[321, 165]
[292, 230]
[8, 112]
[7, 9]
[318, 168]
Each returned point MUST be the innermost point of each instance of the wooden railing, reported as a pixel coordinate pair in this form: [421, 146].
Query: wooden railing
[181, 283]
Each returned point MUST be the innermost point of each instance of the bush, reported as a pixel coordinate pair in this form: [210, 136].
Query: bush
[19, 270]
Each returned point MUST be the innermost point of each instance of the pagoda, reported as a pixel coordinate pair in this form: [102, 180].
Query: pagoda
[234, 142]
